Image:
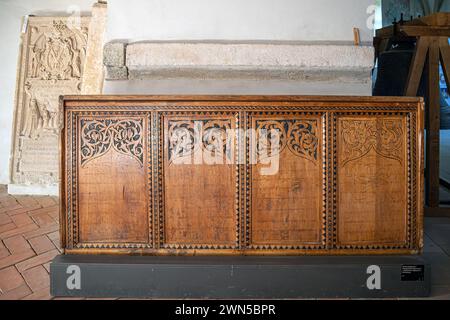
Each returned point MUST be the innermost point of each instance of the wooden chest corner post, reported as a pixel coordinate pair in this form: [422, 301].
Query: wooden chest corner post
[420, 158]
[62, 179]
[242, 175]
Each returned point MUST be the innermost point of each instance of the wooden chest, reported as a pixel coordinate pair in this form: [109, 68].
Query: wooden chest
[242, 175]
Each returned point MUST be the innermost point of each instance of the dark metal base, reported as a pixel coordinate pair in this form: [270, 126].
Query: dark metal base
[239, 277]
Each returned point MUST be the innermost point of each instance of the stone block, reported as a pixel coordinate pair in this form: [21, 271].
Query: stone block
[114, 54]
[94, 74]
[249, 55]
[300, 62]
[116, 73]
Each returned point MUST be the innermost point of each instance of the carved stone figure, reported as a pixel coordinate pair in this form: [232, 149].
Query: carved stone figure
[51, 64]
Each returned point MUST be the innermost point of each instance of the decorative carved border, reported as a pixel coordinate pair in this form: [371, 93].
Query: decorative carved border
[69, 178]
[332, 182]
[248, 187]
[242, 180]
[412, 178]
[411, 197]
[156, 168]
[178, 108]
[215, 116]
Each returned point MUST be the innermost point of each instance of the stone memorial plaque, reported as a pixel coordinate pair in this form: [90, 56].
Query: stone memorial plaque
[51, 64]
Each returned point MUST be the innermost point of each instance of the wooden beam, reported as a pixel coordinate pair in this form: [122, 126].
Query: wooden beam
[423, 31]
[417, 65]
[444, 183]
[356, 37]
[385, 32]
[437, 212]
[444, 50]
[437, 24]
[436, 19]
[433, 124]
[413, 31]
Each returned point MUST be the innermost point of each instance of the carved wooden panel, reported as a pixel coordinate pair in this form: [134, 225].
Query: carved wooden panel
[112, 198]
[235, 175]
[200, 177]
[372, 178]
[287, 185]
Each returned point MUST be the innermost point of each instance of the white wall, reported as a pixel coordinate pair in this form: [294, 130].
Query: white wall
[295, 20]
[306, 20]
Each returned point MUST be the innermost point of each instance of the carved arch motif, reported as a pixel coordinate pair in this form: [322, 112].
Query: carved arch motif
[187, 136]
[384, 136]
[98, 136]
[300, 136]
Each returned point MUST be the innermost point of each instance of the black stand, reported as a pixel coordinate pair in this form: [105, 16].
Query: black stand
[240, 277]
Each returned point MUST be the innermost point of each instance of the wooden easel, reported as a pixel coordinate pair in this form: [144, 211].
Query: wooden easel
[432, 47]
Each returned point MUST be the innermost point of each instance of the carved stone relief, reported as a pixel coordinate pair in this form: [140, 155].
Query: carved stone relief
[51, 64]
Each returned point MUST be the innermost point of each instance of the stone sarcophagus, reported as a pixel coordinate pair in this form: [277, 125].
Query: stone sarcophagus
[250, 175]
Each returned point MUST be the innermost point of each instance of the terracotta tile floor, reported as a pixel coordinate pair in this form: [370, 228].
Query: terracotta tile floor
[29, 240]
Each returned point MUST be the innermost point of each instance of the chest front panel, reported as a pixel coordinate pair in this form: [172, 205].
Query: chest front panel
[232, 175]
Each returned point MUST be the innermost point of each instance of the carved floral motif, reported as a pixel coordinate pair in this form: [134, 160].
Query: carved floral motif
[98, 136]
[384, 136]
[185, 136]
[300, 136]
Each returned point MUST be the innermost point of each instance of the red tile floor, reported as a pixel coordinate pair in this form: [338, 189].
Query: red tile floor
[29, 240]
